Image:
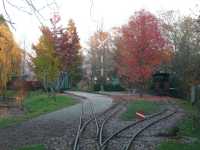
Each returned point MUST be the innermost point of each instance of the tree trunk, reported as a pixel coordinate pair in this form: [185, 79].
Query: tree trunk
[4, 94]
[141, 94]
[193, 94]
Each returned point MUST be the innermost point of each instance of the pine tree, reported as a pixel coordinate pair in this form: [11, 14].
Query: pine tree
[74, 66]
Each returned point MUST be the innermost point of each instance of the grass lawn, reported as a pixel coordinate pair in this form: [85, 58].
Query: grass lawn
[10, 93]
[147, 107]
[174, 145]
[33, 147]
[37, 103]
[187, 128]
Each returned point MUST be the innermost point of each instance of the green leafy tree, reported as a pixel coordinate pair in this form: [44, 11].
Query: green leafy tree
[183, 32]
[46, 64]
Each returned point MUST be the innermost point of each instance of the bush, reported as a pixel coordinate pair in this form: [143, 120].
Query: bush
[108, 87]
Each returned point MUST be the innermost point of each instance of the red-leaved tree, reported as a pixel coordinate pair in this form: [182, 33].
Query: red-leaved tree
[67, 48]
[142, 48]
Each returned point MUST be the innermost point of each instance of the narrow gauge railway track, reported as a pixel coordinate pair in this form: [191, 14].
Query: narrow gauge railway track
[128, 146]
[150, 121]
[100, 120]
[93, 118]
[83, 124]
[104, 121]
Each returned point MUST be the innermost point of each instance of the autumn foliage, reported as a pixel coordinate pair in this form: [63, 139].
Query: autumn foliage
[142, 48]
[57, 52]
[46, 64]
[10, 56]
[67, 48]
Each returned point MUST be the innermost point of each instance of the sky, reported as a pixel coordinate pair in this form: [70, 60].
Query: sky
[87, 14]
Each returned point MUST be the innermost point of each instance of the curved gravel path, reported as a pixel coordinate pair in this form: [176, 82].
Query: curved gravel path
[49, 128]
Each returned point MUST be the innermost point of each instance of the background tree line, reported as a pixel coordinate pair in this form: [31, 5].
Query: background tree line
[167, 42]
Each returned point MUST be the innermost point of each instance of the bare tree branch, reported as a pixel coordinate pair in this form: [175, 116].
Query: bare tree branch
[8, 16]
[30, 10]
[18, 7]
[46, 6]
[35, 11]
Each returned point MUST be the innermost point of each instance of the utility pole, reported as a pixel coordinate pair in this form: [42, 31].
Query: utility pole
[102, 70]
